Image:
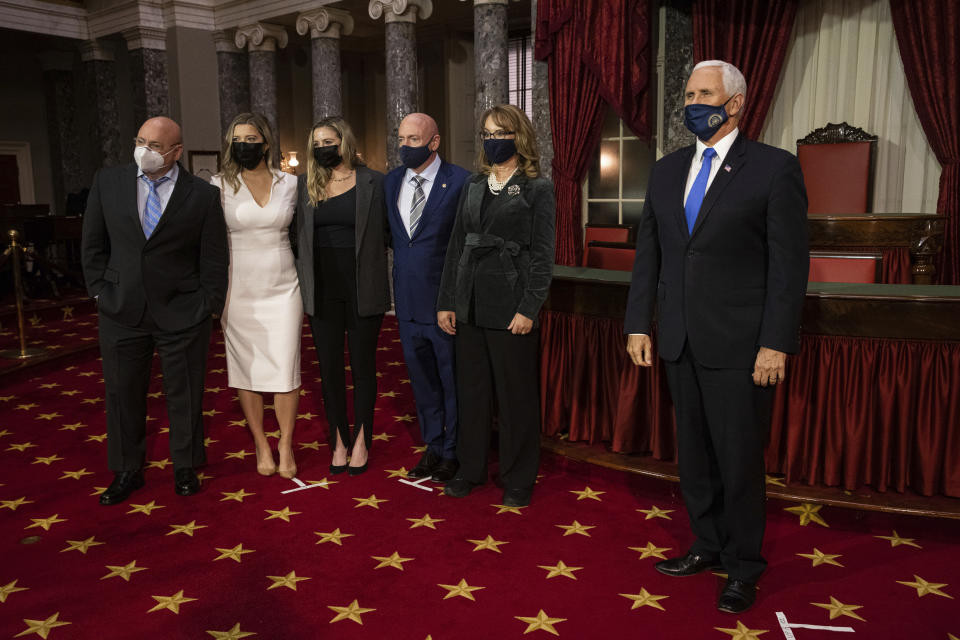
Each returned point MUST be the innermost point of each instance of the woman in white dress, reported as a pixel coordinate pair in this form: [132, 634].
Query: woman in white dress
[263, 314]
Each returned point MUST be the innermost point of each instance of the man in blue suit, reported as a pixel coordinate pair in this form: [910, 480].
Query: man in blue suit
[422, 197]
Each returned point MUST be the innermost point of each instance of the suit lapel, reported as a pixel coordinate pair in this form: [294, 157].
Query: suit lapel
[504, 197]
[181, 190]
[728, 169]
[127, 194]
[392, 185]
[475, 200]
[438, 193]
[679, 186]
[364, 198]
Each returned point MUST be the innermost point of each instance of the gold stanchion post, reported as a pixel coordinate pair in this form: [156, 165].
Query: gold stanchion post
[24, 352]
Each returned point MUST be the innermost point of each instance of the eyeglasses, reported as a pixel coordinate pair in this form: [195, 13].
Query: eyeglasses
[499, 134]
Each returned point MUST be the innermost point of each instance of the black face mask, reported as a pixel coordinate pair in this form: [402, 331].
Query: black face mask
[499, 151]
[413, 157]
[327, 157]
[247, 154]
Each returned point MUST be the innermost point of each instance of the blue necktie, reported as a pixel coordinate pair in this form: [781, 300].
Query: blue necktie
[151, 213]
[699, 189]
[416, 205]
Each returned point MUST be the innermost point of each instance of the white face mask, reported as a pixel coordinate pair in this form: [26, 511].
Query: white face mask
[149, 160]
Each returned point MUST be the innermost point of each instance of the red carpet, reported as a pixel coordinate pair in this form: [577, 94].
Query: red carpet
[370, 557]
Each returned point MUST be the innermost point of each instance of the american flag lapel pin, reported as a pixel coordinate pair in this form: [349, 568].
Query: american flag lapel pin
[727, 168]
[444, 185]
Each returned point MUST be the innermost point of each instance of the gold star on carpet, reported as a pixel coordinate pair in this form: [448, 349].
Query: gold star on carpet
[322, 483]
[234, 633]
[283, 514]
[49, 416]
[651, 551]
[419, 449]
[542, 622]
[576, 527]
[72, 427]
[502, 508]
[76, 475]
[237, 423]
[393, 560]
[13, 504]
[396, 473]
[425, 521]
[588, 493]
[923, 587]
[777, 482]
[91, 400]
[742, 632]
[461, 589]
[289, 581]
[27, 407]
[353, 611]
[335, 536]
[6, 398]
[213, 389]
[819, 557]
[388, 394]
[306, 416]
[155, 394]
[896, 540]
[48, 385]
[10, 587]
[211, 412]
[203, 477]
[383, 437]
[87, 374]
[235, 495]
[23, 446]
[99, 438]
[70, 393]
[42, 627]
[145, 508]
[395, 363]
[218, 370]
[46, 459]
[171, 603]
[164, 429]
[188, 528]
[837, 609]
[644, 599]
[81, 545]
[404, 418]
[4, 432]
[272, 434]
[234, 553]
[560, 569]
[372, 501]
[240, 455]
[487, 543]
[310, 445]
[124, 571]
[45, 523]
[656, 512]
[808, 513]
[98, 490]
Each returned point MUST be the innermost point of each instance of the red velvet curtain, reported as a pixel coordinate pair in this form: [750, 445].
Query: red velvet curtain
[595, 50]
[752, 35]
[927, 33]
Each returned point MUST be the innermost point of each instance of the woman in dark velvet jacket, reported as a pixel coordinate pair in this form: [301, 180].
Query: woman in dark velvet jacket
[496, 277]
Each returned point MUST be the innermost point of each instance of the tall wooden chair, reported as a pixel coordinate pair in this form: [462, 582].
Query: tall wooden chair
[838, 164]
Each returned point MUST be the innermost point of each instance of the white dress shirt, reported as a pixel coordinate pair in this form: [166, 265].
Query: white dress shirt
[164, 190]
[722, 147]
[405, 199]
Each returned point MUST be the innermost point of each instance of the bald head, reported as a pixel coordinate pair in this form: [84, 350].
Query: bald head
[419, 130]
[164, 136]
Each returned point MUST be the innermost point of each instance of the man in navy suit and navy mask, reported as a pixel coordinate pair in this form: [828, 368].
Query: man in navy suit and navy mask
[422, 197]
[722, 254]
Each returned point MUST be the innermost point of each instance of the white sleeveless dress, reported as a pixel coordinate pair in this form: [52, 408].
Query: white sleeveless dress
[263, 314]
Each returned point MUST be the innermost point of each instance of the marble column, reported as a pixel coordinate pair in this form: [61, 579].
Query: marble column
[62, 128]
[148, 72]
[100, 80]
[233, 77]
[400, 16]
[325, 27]
[262, 40]
[541, 103]
[676, 58]
[491, 82]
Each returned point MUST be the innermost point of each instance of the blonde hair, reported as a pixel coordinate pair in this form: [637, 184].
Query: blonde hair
[317, 176]
[230, 168]
[511, 118]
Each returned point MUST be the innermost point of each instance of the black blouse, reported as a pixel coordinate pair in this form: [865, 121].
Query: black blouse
[334, 221]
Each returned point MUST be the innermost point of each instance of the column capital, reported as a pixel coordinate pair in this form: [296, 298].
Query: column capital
[400, 10]
[223, 42]
[96, 50]
[261, 36]
[145, 38]
[325, 23]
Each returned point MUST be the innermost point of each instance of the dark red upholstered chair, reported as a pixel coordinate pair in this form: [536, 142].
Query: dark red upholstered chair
[844, 267]
[616, 256]
[838, 163]
[606, 233]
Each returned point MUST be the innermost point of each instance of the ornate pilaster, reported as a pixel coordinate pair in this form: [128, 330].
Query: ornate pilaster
[541, 104]
[325, 27]
[62, 128]
[261, 40]
[233, 76]
[677, 60]
[148, 72]
[400, 17]
[491, 81]
[100, 79]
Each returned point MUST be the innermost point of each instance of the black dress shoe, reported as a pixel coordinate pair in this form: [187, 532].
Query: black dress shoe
[445, 470]
[337, 468]
[355, 471]
[516, 497]
[459, 487]
[688, 565]
[124, 483]
[427, 465]
[737, 596]
[186, 482]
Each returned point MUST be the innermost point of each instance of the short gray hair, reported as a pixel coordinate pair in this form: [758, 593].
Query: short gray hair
[733, 80]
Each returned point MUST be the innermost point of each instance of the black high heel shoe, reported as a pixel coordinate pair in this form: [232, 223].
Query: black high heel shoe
[337, 468]
[355, 471]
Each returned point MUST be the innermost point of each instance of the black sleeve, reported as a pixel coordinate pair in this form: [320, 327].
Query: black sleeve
[447, 297]
[542, 251]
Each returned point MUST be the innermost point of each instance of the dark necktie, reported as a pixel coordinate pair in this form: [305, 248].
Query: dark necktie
[416, 205]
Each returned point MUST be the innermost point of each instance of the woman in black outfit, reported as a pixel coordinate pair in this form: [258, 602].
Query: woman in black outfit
[341, 233]
[496, 276]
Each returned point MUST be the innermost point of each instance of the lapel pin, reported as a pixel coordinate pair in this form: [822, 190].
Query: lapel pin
[727, 168]
[514, 189]
[443, 186]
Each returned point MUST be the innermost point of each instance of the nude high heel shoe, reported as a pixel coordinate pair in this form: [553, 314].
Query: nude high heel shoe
[266, 468]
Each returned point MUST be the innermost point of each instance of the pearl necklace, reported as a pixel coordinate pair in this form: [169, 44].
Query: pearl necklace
[495, 185]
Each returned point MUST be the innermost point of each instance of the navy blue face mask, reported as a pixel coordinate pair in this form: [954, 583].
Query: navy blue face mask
[413, 157]
[704, 120]
[499, 151]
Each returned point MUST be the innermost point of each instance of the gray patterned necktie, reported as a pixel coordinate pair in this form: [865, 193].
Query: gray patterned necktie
[416, 205]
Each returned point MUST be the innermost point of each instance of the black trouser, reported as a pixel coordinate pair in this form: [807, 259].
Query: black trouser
[127, 354]
[495, 363]
[722, 423]
[336, 313]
